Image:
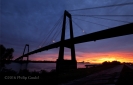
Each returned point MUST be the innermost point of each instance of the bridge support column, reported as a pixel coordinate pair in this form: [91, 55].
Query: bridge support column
[26, 62]
[27, 45]
[62, 64]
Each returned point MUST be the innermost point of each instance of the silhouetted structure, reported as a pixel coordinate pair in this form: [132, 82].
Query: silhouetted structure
[104, 34]
[69, 43]
[27, 45]
[62, 64]
[21, 59]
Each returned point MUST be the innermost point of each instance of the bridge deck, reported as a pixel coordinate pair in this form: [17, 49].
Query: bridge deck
[104, 34]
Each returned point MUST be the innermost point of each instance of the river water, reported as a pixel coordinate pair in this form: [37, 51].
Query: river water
[37, 66]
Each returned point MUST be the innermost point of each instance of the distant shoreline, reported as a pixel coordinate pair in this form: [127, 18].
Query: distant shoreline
[7, 61]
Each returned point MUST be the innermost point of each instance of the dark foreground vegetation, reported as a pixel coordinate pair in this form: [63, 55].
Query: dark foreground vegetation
[53, 77]
[9, 76]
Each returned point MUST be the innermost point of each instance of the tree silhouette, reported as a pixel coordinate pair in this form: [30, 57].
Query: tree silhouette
[111, 63]
[6, 54]
[2, 51]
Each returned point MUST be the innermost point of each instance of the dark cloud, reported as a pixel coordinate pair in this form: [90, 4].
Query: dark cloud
[29, 21]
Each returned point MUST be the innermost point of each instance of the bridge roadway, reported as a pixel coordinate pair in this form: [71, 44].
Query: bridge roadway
[104, 34]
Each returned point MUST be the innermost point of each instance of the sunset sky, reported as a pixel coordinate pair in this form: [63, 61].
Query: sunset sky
[30, 21]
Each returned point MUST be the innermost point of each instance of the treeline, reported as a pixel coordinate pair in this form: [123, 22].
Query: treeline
[5, 54]
[29, 61]
[111, 63]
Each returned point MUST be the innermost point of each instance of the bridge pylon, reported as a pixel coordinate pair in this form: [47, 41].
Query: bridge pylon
[21, 59]
[27, 45]
[62, 64]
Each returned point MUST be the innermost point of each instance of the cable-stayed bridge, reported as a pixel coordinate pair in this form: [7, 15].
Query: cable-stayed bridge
[108, 33]
[125, 29]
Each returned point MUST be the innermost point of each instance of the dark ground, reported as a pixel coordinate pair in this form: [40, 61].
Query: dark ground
[126, 77]
[54, 78]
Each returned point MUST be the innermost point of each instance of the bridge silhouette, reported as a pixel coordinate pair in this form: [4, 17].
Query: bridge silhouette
[117, 31]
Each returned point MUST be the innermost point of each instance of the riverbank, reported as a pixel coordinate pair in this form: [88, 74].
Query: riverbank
[37, 66]
[52, 77]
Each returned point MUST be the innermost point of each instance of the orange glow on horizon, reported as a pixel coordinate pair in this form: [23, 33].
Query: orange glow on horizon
[91, 57]
[108, 56]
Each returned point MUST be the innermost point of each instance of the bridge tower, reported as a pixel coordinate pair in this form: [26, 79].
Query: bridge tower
[25, 64]
[27, 45]
[62, 64]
